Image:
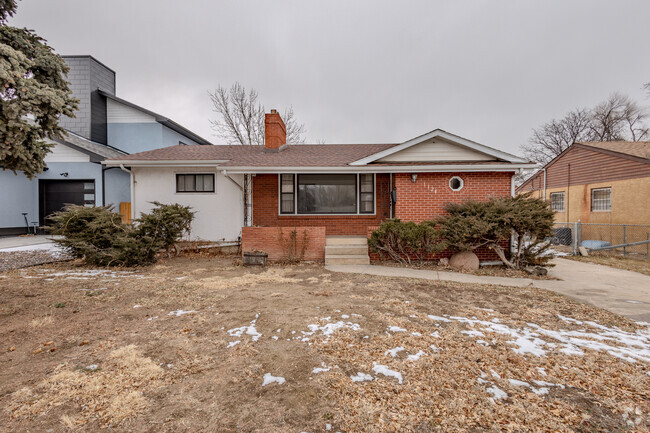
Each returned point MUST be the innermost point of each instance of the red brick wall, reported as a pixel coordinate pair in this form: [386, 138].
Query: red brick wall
[268, 239]
[425, 199]
[265, 209]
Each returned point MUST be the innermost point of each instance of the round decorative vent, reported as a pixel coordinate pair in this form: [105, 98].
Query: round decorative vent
[456, 183]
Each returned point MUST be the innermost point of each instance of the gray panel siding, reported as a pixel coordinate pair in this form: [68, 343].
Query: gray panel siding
[87, 75]
[79, 79]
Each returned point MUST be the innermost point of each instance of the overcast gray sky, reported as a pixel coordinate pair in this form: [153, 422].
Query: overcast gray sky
[364, 71]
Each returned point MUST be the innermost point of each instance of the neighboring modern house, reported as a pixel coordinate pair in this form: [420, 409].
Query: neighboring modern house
[597, 182]
[323, 190]
[105, 127]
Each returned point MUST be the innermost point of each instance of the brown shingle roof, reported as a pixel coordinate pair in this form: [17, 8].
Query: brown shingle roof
[640, 149]
[294, 155]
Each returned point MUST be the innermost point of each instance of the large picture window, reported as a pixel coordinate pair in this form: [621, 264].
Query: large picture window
[195, 182]
[323, 194]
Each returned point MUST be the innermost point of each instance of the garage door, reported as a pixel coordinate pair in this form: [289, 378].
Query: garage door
[55, 194]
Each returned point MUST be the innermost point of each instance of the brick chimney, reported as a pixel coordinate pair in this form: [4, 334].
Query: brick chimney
[275, 133]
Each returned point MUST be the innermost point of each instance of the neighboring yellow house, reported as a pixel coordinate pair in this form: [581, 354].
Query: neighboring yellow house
[597, 182]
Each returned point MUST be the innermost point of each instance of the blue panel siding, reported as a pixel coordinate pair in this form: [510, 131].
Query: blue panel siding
[117, 185]
[18, 194]
[172, 138]
[135, 137]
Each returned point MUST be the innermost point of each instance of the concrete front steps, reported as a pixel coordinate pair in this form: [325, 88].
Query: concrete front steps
[346, 250]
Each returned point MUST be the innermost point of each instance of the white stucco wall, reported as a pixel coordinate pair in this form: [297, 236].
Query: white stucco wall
[219, 215]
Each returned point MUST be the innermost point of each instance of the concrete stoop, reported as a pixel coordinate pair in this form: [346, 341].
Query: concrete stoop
[346, 250]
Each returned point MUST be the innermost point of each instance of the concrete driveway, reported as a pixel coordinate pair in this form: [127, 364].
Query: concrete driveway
[622, 292]
[619, 291]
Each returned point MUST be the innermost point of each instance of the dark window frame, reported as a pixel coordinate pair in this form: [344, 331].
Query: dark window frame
[358, 193]
[214, 181]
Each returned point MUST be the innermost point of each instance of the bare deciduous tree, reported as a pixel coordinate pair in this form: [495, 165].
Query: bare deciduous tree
[552, 138]
[617, 119]
[241, 117]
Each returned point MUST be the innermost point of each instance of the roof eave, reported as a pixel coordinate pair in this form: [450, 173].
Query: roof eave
[506, 167]
[163, 163]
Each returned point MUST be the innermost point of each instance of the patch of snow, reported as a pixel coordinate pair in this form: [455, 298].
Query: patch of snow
[344, 316]
[396, 329]
[541, 371]
[269, 378]
[416, 334]
[438, 318]
[178, 313]
[329, 328]
[248, 330]
[482, 342]
[137, 306]
[416, 356]
[435, 348]
[382, 369]
[92, 367]
[275, 337]
[328, 427]
[152, 318]
[394, 352]
[232, 344]
[361, 377]
[497, 393]
[473, 333]
[634, 302]
[515, 382]
[495, 374]
[324, 367]
[435, 334]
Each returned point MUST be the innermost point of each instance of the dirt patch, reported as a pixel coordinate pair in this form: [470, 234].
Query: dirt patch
[197, 344]
[488, 271]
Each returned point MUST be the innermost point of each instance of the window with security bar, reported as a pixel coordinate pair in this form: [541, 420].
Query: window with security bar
[601, 200]
[557, 201]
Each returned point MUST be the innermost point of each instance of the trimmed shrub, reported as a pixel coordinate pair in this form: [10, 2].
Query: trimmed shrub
[491, 223]
[401, 241]
[98, 235]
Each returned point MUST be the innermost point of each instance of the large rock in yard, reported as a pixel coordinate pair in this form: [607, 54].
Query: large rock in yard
[466, 260]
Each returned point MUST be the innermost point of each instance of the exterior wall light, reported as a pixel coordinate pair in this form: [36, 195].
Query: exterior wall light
[414, 177]
[65, 174]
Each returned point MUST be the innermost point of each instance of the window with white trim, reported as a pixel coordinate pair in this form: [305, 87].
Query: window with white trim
[195, 182]
[456, 183]
[601, 200]
[327, 194]
[557, 201]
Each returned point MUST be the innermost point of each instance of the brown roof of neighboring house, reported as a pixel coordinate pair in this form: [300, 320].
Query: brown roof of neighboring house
[640, 149]
[294, 155]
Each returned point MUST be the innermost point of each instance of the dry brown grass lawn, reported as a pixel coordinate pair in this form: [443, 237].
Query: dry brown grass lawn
[186, 345]
[627, 263]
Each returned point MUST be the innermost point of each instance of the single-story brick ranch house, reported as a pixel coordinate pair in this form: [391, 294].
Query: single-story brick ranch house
[333, 194]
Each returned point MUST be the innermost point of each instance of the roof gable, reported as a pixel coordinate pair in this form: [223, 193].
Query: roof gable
[450, 146]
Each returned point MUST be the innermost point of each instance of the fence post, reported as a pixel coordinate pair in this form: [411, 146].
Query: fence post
[624, 242]
[575, 238]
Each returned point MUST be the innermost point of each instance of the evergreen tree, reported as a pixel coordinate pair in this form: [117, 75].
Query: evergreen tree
[33, 96]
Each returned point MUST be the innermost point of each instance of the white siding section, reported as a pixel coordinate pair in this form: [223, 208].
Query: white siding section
[219, 215]
[436, 150]
[120, 113]
[63, 153]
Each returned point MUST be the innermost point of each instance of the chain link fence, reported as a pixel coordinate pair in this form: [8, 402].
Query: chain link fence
[629, 240]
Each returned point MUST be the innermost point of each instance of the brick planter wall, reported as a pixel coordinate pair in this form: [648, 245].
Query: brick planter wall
[265, 210]
[267, 239]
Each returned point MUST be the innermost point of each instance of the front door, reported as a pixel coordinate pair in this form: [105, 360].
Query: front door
[55, 194]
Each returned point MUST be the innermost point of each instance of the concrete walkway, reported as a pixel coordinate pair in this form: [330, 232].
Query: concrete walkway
[622, 292]
[24, 241]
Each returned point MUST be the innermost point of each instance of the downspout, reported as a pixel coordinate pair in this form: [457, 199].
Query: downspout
[132, 179]
[544, 183]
